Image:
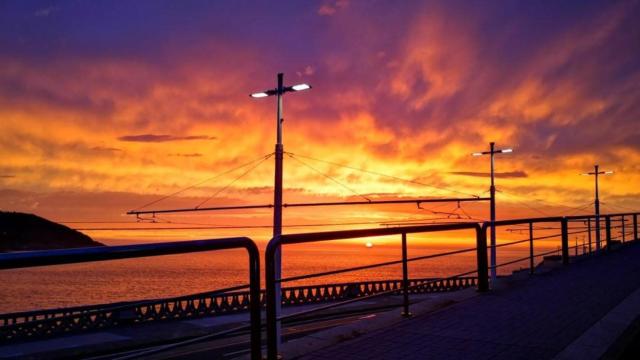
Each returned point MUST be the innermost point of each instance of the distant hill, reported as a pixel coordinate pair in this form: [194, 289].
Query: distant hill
[21, 232]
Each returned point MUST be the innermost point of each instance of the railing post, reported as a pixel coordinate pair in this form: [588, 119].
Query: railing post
[270, 293]
[565, 240]
[481, 256]
[608, 231]
[405, 277]
[531, 270]
[589, 233]
[254, 304]
[635, 226]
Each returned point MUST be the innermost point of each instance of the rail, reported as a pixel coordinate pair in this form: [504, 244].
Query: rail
[72, 256]
[272, 282]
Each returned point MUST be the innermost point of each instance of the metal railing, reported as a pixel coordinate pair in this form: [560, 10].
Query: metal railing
[82, 255]
[564, 222]
[277, 242]
[481, 248]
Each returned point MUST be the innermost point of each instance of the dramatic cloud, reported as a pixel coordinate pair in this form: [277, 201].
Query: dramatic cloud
[504, 175]
[94, 95]
[191, 155]
[44, 12]
[163, 138]
[331, 7]
[105, 148]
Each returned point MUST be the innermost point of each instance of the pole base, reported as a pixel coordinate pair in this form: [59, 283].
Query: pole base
[406, 314]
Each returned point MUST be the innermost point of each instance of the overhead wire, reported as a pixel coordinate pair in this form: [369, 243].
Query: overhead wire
[215, 226]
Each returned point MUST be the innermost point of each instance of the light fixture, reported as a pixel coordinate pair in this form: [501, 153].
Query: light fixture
[300, 87]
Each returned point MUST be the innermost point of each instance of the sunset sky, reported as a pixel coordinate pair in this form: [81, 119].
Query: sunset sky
[108, 105]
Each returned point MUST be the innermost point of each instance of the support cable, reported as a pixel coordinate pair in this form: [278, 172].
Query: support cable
[327, 176]
[262, 158]
[381, 174]
[525, 204]
[234, 180]
[547, 202]
[620, 207]
[578, 209]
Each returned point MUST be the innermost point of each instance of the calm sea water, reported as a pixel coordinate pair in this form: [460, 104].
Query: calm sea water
[174, 275]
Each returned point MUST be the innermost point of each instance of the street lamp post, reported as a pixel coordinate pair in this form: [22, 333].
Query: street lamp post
[277, 192]
[596, 172]
[492, 190]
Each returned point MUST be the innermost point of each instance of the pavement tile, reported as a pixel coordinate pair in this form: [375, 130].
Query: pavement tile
[534, 319]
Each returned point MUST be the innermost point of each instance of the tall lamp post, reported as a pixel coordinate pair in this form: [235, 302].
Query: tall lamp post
[492, 151]
[596, 171]
[279, 91]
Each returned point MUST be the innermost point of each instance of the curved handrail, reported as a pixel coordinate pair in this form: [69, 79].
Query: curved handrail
[82, 255]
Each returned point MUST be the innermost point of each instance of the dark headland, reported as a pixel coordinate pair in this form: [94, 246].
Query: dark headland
[23, 232]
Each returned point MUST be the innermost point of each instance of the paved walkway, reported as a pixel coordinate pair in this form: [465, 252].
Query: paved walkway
[535, 318]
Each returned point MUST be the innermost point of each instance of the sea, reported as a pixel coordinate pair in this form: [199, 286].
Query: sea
[175, 275]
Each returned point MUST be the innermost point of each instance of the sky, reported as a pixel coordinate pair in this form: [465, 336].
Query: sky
[106, 106]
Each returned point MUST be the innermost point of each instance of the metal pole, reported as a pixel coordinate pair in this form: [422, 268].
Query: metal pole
[270, 294]
[405, 277]
[254, 302]
[565, 241]
[481, 258]
[589, 233]
[597, 205]
[492, 191]
[531, 270]
[608, 230]
[277, 206]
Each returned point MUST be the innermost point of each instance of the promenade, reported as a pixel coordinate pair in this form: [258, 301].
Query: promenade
[572, 312]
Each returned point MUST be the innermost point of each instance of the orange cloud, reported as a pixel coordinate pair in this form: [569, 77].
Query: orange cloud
[412, 103]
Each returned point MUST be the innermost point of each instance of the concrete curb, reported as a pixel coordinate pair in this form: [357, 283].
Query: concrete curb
[594, 342]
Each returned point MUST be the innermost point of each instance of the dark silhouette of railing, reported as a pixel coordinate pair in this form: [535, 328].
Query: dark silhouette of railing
[406, 287]
[277, 242]
[565, 231]
[118, 313]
